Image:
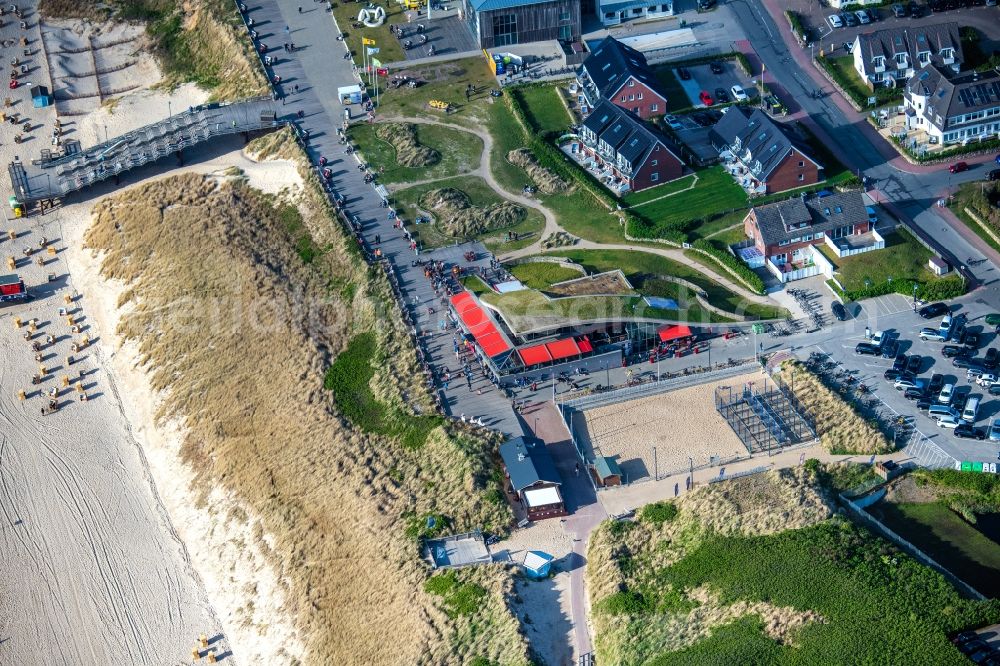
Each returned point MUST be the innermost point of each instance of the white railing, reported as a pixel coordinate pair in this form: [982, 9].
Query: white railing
[842, 247]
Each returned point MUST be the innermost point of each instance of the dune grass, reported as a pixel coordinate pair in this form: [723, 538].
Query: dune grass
[459, 152]
[245, 331]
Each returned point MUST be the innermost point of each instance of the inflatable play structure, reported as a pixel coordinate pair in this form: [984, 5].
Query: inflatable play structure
[372, 17]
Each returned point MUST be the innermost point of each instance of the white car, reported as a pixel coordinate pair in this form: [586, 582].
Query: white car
[672, 122]
[987, 380]
[835, 21]
[863, 17]
[949, 421]
[944, 397]
[738, 93]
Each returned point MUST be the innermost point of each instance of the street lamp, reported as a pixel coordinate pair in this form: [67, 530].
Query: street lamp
[914, 296]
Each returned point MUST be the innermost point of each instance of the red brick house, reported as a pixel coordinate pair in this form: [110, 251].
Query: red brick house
[620, 74]
[628, 154]
[763, 154]
[783, 231]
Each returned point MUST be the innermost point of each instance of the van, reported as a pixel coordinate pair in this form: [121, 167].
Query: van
[944, 397]
[940, 411]
[971, 407]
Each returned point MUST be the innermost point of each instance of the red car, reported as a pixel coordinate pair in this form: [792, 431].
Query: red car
[958, 167]
[705, 98]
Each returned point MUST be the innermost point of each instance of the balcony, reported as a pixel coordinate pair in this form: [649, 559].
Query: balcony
[878, 66]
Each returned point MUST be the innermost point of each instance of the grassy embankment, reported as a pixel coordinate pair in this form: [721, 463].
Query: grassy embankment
[755, 571]
[257, 301]
[202, 41]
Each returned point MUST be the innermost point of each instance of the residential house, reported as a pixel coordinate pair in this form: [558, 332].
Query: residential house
[620, 74]
[615, 12]
[631, 155]
[506, 22]
[953, 109]
[786, 232]
[762, 153]
[890, 56]
[533, 477]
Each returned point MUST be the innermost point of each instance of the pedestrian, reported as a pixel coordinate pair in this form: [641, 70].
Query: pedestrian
[578, 469]
[296, 88]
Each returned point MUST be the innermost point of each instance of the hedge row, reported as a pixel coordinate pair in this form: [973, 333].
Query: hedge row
[935, 290]
[795, 22]
[940, 156]
[746, 275]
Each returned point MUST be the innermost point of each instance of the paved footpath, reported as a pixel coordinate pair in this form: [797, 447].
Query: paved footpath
[318, 67]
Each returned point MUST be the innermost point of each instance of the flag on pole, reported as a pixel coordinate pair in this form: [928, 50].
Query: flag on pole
[367, 42]
[372, 50]
[382, 71]
[375, 61]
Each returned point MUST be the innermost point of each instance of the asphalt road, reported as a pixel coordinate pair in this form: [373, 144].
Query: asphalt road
[913, 196]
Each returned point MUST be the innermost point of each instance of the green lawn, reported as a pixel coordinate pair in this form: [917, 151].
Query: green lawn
[976, 196]
[459, 151]
[444, 81]
[878, 606]
[640, 267]
[542, 275]
[507, 136]
[543, 107]
[676, 97]
[947, 539]
[480, 194]
[902, 259]
[716, 194]
[636, 198]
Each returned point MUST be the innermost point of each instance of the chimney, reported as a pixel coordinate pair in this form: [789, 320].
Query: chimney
[520, 457]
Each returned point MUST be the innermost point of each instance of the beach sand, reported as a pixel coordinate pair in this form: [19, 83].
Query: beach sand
[109, 554]
[681, 424]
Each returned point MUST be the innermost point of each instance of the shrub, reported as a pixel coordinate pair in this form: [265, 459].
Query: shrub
[458, 598]
[659, 512]
[626, 603]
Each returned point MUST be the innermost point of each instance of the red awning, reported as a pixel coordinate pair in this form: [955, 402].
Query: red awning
[479, 324]
[673, 332]
[585, 346]
[534, 355]
[563, 349]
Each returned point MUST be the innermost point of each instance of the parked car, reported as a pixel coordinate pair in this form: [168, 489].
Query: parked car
[994, 389]
[964, 637]
[909, 381]
[968, 431]
[849, 19]
[898, 10]
[721, 96]
[839, 311]
[914, 393]
[683, 73]
[705, 98]
[935, 384]
[951, 351]
[863, 17]
[914, 363]
[994, 434]
[923, 404]
[993, 174]
[946, 394]
[987, 379]
[949, 421]
[937, 411]
[958, 167]
[872, 14]
[972, 646]
[739, 94]
[867, 349]
[971, 340]
[932, 334]
[933, 310]
[835, 21]
[899, 363]
[990, 358]
[890, 347]
[992, 319]
[891, 375]
[965, 361]
[716, 67]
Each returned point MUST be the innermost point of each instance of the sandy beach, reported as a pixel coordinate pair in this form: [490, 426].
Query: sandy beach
[109, 553]
[681, 424]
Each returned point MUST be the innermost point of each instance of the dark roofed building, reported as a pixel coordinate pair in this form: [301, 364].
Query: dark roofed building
[953, 108]
[533, 477]
[498, 23]
[784, 231]
[621, 75]
[890, 56]
[634, 155]
[768, 159]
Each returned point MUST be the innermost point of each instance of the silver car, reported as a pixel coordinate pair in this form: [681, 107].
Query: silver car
[994, 435]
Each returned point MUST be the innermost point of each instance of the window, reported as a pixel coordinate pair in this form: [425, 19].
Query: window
[654, 177]
[631, 98]
[801, 164]
[783, 243]
[801, 177]
[504, 30]
[797, 239]
[624, 99]
[654, 107]
[818, 235]
[639, 96]
[655, 162]
[564, 17]
[807, 237]
[631, 83]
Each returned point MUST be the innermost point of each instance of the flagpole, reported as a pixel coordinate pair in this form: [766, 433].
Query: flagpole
[364, 55]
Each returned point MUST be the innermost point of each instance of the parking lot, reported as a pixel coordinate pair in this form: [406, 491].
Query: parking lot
[703, 79]
[893, 314]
